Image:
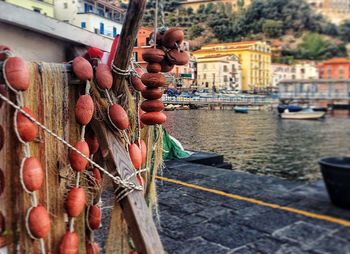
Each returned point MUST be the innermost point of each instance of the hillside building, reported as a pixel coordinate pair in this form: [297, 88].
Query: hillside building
[219, 72]
[45, 7]
[99, 16]
[254, 58]
[305, 70]
[281, 72]
[336, 10]
[335, 69]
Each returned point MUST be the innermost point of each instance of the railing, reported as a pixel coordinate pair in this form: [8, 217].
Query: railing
[319, 95]
[215, 99]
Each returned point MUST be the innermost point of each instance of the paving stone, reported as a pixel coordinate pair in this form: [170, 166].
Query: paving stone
[266, 245]
[331, 245]
[301, 232]
[225, 218]
[199, 245]
[174, 222]
[213, 212]
[343, 233]
[170, 245]
[290, 249]
[244, 250]
[270, 221]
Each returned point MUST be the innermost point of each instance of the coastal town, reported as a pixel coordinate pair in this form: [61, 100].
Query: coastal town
[175, 126]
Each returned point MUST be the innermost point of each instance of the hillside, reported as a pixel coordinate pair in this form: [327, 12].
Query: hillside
[291, 21]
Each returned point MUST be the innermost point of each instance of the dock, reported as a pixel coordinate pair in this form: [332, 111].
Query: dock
[207, 208]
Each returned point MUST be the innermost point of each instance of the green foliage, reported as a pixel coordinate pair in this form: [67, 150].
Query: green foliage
[315, 47]
[344, 30]
[196, 31]
[272, 28]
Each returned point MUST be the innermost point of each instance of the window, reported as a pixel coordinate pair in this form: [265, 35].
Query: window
[102, 28]
[329, 72]
[341, 72]
[114, 32]
[225, 68]
[204, 66]
[65, 5]
[204, 76]
[225, 78]
[88, 7]
[83, 25]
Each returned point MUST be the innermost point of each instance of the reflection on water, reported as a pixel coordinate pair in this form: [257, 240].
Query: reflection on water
[260, 142]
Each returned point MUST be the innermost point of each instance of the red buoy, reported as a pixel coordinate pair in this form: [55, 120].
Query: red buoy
[172, 38]
[76, 201]
[92, 141]
[78, 162]
[104, 76]
[94, 218]
[152, 93]
[92, 248]
[2, 137]
[166, 66]
[177, 57]
[17, 73]
[152, 105]
[6, 50]
[152, 118]
[136, 81]
[84, 109]
[32, 174]
[143, 148]
[82, 68]
[118, 116]
[135, 155]
[39, 222]
[154, 67]
[27, 130]
[153, 55]
[69, 243]
[153, 79]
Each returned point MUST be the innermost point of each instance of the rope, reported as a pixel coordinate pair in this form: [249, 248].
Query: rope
[119, 71]
[116, 179]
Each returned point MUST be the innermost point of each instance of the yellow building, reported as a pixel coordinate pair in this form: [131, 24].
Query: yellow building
[235, 4]
[255, 60]
[44, 7]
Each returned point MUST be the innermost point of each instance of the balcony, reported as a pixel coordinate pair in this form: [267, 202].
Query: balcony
[115, 16]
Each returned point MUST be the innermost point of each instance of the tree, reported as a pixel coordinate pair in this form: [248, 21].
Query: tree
[272, 28]
[344, 30]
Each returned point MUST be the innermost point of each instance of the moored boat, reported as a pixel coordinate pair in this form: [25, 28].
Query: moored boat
[242, 110]
[307, 114]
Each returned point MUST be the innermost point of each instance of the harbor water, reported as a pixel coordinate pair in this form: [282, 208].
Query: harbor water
[262, 143]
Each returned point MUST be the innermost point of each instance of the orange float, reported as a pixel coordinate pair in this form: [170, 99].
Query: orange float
[82, 68]
[135, 155]
[143, 148]
[153, 55]
[27, 130]
[76, 201]
[153, 79]
[172, 38]
[69, 243]
[94, 218]
[166, 66]
[153, 67]
[177, 57]
[92, 141]
[152, 105]
[136, 81]
[152, 93]
[78, 162]
[104, 76]
[92, 248]
[17, 73]
[39, 222]
[152, 118]
[118, 116]
[84, 109]
[32, 174]
[97, 178]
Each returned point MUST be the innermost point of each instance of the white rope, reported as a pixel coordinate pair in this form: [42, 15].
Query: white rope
[117, 180]
[119, 71]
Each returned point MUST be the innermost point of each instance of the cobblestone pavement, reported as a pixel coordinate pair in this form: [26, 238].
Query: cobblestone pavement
[196, 221]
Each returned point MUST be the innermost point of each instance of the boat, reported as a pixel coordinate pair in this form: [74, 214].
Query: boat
[323, 109]
[292, 108]
[306, 114]
[169, 107]
[242, 110]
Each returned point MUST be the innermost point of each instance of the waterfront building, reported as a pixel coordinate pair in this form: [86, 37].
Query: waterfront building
[99, 16]
[235, 5]
[305, 70]
[254, 58]
[219, 72]
[336, 10]
[45, 7]
[335, 69]
[280, 72]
